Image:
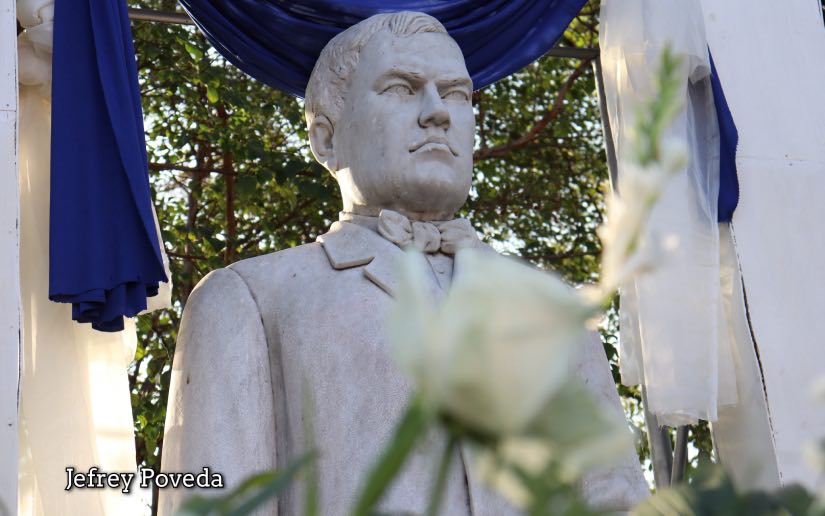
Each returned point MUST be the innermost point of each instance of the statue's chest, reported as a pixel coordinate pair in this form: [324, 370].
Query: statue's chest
[339, 374]
[334, 342]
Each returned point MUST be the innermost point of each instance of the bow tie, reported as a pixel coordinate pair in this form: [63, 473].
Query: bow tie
[430, 237]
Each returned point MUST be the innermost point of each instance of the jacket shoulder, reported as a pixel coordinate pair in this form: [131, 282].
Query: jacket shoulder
[277, 268]
[221, 319]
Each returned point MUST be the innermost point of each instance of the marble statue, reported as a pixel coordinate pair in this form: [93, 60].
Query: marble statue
[271, 344]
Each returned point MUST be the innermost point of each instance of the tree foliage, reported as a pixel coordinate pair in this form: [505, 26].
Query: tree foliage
[233, 178]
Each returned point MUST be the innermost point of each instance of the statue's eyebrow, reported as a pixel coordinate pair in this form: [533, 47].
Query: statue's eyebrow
[413, 78]
[460, 82]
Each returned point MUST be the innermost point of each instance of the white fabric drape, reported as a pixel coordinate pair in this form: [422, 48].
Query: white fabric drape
[674, 338]
[75, 403]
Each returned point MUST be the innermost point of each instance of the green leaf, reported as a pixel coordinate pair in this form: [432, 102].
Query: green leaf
[440, 484]
[250, 495]
[412, 426]
[194, 51]
[211, 93]
[289, 170]
[246, 185]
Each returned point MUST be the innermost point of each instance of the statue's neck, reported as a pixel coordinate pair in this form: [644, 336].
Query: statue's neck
[366, 221]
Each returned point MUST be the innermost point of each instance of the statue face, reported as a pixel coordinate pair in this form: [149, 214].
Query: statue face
[404, 140]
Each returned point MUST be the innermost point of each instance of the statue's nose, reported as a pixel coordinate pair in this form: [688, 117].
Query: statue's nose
[433, 111]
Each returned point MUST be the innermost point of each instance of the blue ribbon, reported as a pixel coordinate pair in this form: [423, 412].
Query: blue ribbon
[728, 141]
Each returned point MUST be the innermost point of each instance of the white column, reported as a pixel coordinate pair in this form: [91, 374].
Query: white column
[9, 265]
[771, 61]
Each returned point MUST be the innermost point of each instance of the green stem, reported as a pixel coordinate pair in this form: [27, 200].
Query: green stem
[414, 423]
[441, 479]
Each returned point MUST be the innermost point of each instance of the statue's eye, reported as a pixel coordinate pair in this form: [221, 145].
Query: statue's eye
[456, 95]
[399, 89]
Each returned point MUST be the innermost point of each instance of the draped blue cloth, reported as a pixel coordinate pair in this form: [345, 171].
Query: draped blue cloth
[104, 255]
[278, 41]
[728, 141]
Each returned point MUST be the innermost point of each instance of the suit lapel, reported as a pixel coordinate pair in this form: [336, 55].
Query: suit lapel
[381, 271]
[349, 245]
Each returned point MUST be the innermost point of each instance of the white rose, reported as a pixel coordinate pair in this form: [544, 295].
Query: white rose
[497, 348]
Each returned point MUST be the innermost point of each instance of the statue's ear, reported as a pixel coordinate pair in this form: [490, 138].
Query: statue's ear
[320, 141]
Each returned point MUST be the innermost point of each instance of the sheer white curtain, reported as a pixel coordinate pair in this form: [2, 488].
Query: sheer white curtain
[75, 402]
[674, 335]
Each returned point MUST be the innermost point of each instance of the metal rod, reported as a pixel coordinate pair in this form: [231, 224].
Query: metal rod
[661, 453]
[160, 16]
[574, 52]
[607, 131]
[679, 456]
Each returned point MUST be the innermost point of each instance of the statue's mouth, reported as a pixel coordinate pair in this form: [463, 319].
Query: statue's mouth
[434, 144]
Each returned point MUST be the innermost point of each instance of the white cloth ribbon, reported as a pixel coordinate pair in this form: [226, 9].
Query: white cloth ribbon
[429, 237]
[674, 338]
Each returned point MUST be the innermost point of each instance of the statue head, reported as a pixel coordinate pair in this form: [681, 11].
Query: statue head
[388, 106]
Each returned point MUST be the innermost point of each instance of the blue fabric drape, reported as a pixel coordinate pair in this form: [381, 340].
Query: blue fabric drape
[104, 256]
[728, 141]
[278, 41]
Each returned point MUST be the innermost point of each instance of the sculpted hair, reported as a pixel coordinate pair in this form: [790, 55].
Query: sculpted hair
[329, 80]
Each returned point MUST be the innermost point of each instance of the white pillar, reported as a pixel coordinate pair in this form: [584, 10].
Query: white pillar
[9, 265]
[771, 61]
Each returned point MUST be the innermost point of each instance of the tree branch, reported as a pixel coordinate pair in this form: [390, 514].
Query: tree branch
[559, 256]
[185, 256]
[535, 131]
[229, 207]
[157, 167]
